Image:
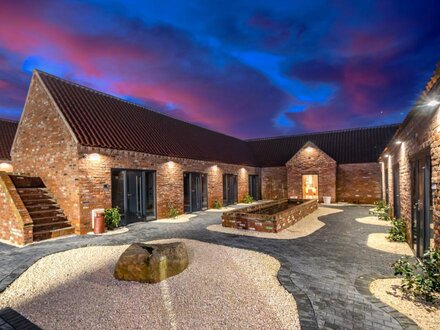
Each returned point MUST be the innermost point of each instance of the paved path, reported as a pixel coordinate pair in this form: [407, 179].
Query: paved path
[320, 270]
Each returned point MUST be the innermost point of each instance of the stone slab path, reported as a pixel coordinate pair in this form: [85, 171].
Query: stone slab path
[320, 270]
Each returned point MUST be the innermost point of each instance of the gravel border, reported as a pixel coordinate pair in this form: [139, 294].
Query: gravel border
[362, 284]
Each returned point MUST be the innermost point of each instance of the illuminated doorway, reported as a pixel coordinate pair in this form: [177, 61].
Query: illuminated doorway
[310, 186]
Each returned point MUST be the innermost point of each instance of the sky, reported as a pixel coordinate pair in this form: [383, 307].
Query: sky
[245, 68]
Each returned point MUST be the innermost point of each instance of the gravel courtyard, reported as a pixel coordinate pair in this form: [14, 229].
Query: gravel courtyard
[244, 292]
[320, 270]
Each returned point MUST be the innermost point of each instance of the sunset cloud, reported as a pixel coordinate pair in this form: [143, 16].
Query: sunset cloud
[327, 67]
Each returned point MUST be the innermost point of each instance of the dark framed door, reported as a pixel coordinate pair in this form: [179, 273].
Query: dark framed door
[254, 187]
[230, 189]
[387, 199]
[134, 193]
[396, 191]
[195, 192]
[421, 197]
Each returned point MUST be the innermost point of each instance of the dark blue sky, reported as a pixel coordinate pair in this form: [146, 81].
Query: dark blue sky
[249, 68]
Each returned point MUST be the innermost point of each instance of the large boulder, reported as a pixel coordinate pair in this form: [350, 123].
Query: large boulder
[151, 263]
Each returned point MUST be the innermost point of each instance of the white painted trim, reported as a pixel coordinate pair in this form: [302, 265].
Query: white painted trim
[57, 108]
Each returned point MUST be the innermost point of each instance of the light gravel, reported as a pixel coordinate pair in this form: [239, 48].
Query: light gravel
[306, 226]
[373, 220]
[379, 241]
[222, 288]
[426, 315]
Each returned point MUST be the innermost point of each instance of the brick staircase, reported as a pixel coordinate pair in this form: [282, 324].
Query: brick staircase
[48, 218]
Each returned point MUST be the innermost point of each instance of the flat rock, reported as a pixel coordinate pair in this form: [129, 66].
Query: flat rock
[151, 263]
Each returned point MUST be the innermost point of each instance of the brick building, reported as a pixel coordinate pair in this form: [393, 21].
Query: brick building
[411, 170]
[87, 150]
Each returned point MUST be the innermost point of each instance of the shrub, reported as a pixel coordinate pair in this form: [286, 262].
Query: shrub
[112, 218]
[422, 278]
[217, 205]
[248, 199]
[398, 231]
[173, 212]
[381, 210]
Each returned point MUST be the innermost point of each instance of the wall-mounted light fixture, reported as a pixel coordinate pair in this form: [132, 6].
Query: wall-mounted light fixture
[170, 164]
[398, 142]
[94, 157]
[386, 155]
[6, 167]
[309, 149]
[433, 103]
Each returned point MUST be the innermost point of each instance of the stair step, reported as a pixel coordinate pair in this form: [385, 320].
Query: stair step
[35, 214]
[48, 220]
[53, 223]
[50, 226]
[21, 181]
[42, 207]
[42, 235]
[43, 201]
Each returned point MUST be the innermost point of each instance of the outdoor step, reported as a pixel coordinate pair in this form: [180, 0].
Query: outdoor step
[27, 181]
[42, 207]
[47, 220]
[50, 226]
[42, 201]
[42, 235]
[44, 213]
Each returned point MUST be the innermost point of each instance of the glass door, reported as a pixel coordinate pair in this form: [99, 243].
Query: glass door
[310, 186]
[254, 187]
[133, 192]
[396, 191]
[421, 203]
[195, 192]
[230, 189]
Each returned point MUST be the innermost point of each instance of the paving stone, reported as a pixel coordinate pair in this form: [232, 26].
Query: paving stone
[323, 271]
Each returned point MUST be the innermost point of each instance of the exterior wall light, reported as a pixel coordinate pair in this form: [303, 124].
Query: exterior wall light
[94, 157]
[309, 149]
[170, 164]
[6, 167]
[386, 155]
[433, 103]
[398, 142]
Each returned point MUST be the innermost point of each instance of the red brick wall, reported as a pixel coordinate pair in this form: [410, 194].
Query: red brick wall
[15, 222]
[274, 223]
[274, 182]
[311, 160]
[169, 179]
[359, 183]
[421, 132]
[44, 147]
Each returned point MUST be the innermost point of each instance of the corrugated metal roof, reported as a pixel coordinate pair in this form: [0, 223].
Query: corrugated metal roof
[7, 134]
[101, 120]
[359, 145]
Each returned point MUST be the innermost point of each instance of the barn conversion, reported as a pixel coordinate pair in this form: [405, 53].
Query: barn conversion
[83, 150]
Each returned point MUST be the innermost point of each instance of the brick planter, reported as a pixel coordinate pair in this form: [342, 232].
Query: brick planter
[255, 218]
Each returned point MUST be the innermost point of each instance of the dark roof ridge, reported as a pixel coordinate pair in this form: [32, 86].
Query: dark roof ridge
[9, 120]
[133, 103]
[321, 132]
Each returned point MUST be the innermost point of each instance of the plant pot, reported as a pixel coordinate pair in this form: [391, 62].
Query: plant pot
[327, 199]
[99, 223]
